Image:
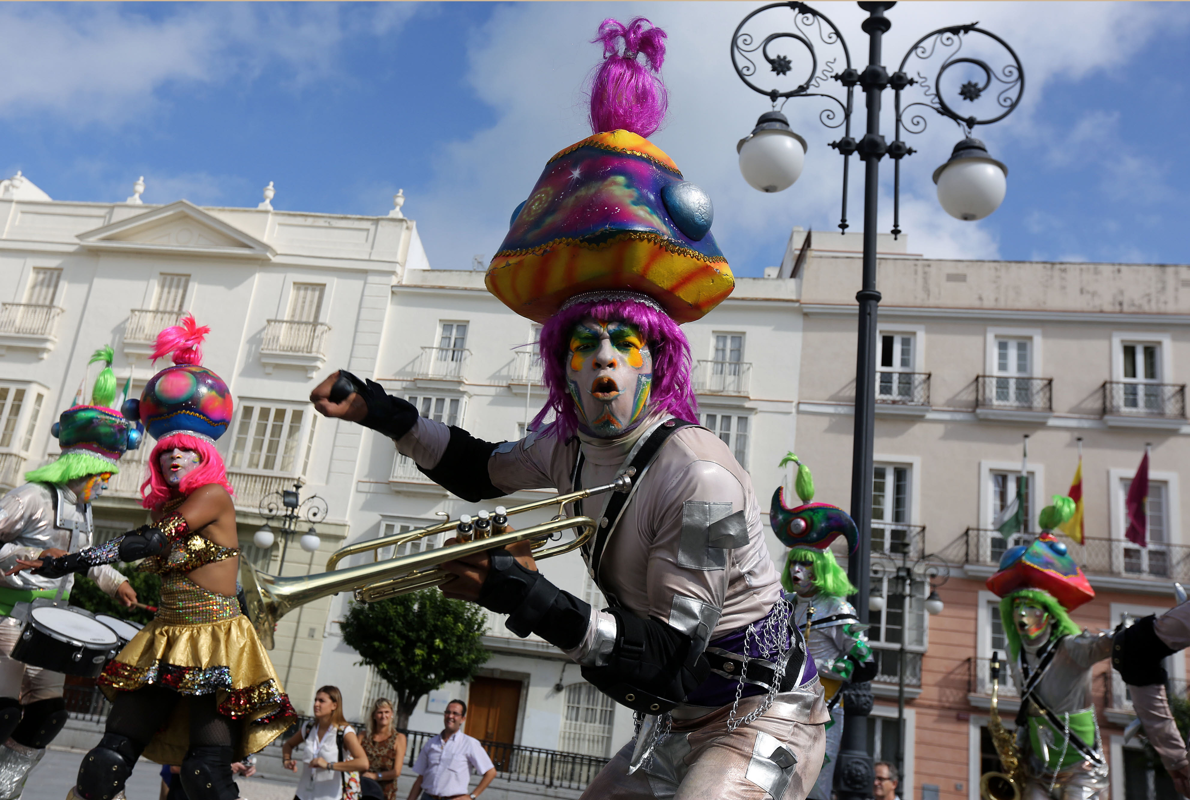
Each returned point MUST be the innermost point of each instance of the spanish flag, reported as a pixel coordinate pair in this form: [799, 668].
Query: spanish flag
[1074, 526]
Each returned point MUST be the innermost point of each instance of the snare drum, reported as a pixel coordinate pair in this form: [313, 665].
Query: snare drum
[65, 639]
[125, 628]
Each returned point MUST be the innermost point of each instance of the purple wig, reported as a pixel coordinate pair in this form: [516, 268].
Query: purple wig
[624, 94]
[671, 390]
[155, 490]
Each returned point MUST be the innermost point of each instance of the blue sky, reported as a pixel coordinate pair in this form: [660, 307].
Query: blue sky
[460, 105]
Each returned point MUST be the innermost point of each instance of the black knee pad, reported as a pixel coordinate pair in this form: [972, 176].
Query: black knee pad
[10, 717]
[206, 773]
[43, 720]
[105, 769]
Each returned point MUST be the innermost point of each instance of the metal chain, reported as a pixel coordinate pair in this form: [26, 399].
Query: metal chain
[771, 636]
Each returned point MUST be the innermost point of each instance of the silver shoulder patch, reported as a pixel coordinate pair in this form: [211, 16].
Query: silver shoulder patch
[709, 529]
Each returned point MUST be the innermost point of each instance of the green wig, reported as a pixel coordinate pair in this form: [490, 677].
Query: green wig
[1063, 625]
[829, 577]
[70, 466]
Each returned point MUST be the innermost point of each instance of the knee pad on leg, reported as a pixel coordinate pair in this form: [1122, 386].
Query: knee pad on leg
[105, 769]
[10, 716]
[43, 720]
[206, 773]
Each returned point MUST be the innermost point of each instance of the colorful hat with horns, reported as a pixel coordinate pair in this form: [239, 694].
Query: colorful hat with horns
[813, 525]
[612, 212]
[1043, 564]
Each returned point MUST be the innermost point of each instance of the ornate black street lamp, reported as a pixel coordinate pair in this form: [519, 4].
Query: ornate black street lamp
[971, 185]
[287, 509]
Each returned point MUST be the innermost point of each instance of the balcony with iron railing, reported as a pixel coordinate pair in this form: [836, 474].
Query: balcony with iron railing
[907, 390]
[442, 363]
[723, 377]
[145, 323]
[526, 369]
[1134, 403]
[1010, 397]
[1098, 557]
[888, 666]
[979, 680]
[294, 343]
[12, 470]
[29, 326]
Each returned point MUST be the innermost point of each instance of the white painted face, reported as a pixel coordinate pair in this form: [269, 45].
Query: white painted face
[801, 575]
[609, 372]
[177, 464]
[1032, 623]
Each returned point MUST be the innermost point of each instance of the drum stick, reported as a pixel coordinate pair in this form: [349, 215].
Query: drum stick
[145, 607]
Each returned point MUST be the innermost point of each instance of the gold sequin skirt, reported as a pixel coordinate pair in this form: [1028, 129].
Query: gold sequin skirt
[224, 658]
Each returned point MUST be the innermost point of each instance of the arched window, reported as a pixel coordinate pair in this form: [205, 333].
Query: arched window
[587, 727]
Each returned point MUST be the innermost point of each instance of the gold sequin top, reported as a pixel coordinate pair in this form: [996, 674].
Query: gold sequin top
[183, 602]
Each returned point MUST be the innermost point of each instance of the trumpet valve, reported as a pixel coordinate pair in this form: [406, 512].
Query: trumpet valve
[500, 520]
[483, 525]
[465, 529]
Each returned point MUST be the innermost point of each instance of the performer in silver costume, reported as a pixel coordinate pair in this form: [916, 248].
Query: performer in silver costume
[1051, 661]
[818, 587]
[51, 515]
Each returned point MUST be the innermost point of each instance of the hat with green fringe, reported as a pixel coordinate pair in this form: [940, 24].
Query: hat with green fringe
[1043, 564]
[92, 435]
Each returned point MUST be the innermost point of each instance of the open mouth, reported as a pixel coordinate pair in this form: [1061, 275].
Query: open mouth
[605, 389]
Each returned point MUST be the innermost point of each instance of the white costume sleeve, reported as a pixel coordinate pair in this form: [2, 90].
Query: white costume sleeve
[107, 577]
[1152, 707]
[1173, 627]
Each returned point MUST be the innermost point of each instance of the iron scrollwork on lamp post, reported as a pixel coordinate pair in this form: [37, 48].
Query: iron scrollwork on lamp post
[287, 509]
[971, 185]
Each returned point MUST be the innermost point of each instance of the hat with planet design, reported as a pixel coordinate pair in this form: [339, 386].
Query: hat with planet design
[186, 398]
[1043, 564]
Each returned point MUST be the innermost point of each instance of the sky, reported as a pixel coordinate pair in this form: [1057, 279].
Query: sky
[460, 105]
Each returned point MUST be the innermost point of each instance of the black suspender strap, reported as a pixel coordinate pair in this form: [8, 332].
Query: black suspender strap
[646, 451]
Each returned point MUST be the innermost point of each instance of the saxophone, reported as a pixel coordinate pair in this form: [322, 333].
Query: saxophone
[1001, 785]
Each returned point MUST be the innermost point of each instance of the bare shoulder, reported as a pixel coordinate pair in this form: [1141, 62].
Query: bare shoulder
[211, 494]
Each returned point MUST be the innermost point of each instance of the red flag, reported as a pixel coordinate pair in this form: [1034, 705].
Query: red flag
[1134, 506]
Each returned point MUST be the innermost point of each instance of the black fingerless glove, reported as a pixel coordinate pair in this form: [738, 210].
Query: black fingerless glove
[60, 567]
[388, 415]
[534, 604]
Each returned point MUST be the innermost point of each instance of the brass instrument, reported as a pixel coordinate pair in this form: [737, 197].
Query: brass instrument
[1001, 785]
[270, 597]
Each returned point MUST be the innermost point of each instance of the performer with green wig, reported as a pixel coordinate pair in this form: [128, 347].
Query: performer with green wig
[50, 515]
[818, 587]
[1051, 660]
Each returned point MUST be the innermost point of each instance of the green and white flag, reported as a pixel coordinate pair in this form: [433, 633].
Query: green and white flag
[1010, 520]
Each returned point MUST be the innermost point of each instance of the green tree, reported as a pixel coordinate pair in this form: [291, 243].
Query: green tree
[87, 594]
[417, 642]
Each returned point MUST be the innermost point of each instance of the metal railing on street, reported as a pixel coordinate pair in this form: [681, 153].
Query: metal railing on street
[722, 377]
[1096, 556]
[1158, 400]
[27, 319]
[145, 323]
[294, 336]
[903, 388]
[1015, 393]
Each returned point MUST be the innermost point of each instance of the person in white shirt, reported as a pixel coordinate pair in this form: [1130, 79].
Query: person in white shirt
[444, 765]
[322, 773]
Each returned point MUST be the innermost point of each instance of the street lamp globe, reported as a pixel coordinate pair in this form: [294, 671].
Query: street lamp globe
[934, 604]
[772, 156]
[971, 184]
[264, 538]
[875, 603]
[310, 542]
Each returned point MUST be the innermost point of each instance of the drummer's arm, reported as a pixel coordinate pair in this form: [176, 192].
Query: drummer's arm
[18, 509]
[107, 578]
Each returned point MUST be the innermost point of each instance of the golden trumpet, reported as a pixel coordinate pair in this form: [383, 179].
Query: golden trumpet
[270, 597]
[1001, 785]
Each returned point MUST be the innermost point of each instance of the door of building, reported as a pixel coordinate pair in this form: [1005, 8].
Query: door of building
[492, 714]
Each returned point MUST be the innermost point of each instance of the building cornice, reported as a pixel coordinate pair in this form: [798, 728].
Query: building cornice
[1001, 314]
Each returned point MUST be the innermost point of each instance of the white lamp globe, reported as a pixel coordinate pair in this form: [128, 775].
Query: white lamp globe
[772, 156]
[972, 184]
[310, 541]
[875, 603]
[264, 537]
[934, 604]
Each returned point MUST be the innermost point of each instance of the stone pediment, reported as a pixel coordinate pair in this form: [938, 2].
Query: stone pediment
[179, 228]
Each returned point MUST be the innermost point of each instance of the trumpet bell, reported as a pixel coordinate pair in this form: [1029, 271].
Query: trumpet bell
[998, 786]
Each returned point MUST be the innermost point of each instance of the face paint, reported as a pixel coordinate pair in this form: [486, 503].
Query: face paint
[94, 487]
[177, 464]
[609, 373]
[801, 575]
[1032, 622]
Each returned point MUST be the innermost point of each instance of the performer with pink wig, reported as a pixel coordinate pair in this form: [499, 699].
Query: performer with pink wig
[611, 252]
[194, 687]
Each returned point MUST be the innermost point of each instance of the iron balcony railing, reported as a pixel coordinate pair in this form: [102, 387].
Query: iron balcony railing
[1158, 400]
[888, 666]
[903, 388]
[145, 323]
[29, 320]
[979, 677]
[295, 337]
[527, 368]
[405, 469]
[443, 363]
[1010, 392]
[1096, 556]
[723, 377]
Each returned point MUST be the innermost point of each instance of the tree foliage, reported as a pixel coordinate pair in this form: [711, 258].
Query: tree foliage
[87, 594]
[417, 642]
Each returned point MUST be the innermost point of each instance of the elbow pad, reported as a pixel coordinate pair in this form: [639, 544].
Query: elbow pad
[534, 605]
[463, 468]
[388, 415]
[145, 542]
[652, 666]
[1137, 653]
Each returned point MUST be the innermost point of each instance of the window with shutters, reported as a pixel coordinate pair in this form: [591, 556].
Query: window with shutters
[171, 292]
[733, 430]
[270, 439]
[447, 410]
[452, 342]
[305, 302]
[43, 286]
[587, 726]
[20, 411]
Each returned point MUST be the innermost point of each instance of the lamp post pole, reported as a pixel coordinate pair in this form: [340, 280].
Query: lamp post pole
[287, 509]
[971, 185]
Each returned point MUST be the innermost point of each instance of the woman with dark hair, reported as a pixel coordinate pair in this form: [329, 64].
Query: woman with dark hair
[326, 742]
[385, 748]
[194, 687]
